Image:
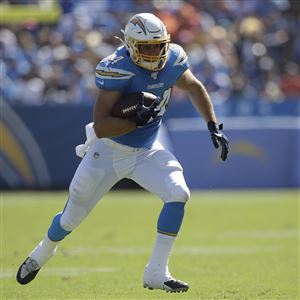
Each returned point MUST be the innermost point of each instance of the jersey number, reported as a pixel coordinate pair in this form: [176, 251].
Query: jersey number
[164, 103]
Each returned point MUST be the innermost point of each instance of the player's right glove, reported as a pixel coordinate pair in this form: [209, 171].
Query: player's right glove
[144, 113]
[218, 138]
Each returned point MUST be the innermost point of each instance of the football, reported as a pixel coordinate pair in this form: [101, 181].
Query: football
[126, 106]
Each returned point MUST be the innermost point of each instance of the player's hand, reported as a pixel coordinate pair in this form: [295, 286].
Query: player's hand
[144, 113]
[219, 138]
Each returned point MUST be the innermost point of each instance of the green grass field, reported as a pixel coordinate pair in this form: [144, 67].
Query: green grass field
[233, 245]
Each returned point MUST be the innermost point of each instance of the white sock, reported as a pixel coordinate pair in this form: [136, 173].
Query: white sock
[160, 254]
[44, 251]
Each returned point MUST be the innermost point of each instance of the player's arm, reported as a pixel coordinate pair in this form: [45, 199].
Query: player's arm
[201, 100]
[105, 125]
[198, 95]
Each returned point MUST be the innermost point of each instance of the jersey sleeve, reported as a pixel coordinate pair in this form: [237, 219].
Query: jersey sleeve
[111, 74]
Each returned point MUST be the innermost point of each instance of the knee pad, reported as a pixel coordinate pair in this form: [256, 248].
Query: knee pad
[181, 193]
[175, 189]
[178, 193]
[85, 182]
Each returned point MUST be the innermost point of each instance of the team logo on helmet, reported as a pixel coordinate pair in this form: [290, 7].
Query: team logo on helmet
[137, 21]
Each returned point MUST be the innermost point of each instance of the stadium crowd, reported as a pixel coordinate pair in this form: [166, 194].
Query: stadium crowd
[239, 49]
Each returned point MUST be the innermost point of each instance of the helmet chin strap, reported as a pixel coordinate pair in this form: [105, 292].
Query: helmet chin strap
[150, 65]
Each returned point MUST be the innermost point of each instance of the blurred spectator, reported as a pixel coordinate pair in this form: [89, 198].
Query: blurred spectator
[290, 81]
[239, 49]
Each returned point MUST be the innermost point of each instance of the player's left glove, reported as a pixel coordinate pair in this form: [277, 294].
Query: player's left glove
[218, 138]
[144, 113]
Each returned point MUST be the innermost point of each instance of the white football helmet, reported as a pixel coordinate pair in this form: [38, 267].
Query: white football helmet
[145, 29]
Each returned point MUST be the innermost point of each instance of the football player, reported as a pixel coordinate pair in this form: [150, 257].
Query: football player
[127, 148]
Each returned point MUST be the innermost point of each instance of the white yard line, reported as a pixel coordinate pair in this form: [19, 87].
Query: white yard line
[272, 234]
[178, 250]
[67, 271]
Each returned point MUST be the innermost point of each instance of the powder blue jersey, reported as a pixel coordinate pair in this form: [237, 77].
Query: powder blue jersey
[118, 72]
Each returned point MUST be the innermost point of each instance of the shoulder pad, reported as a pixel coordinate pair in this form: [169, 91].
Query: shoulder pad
[114, 66]
[113, 72]
[178, 55]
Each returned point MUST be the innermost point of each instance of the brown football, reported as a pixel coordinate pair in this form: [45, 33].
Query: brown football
[126, 106]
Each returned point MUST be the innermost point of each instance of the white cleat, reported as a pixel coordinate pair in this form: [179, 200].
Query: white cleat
[163, 281]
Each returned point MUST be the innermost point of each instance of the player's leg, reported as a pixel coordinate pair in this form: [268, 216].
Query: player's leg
[160, 173]
[93, 178]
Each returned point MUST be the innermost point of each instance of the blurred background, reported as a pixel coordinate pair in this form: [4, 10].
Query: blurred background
[245, 52]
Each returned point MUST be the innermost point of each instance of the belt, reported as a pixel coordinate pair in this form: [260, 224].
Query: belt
[119, 146]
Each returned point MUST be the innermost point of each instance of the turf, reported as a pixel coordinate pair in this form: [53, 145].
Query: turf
[233, 245]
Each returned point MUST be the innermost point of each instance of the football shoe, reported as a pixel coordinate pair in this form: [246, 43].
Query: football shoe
[27, 271]
[163, 281]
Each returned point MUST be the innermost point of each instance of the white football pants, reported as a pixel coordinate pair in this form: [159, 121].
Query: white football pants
[107, 162]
